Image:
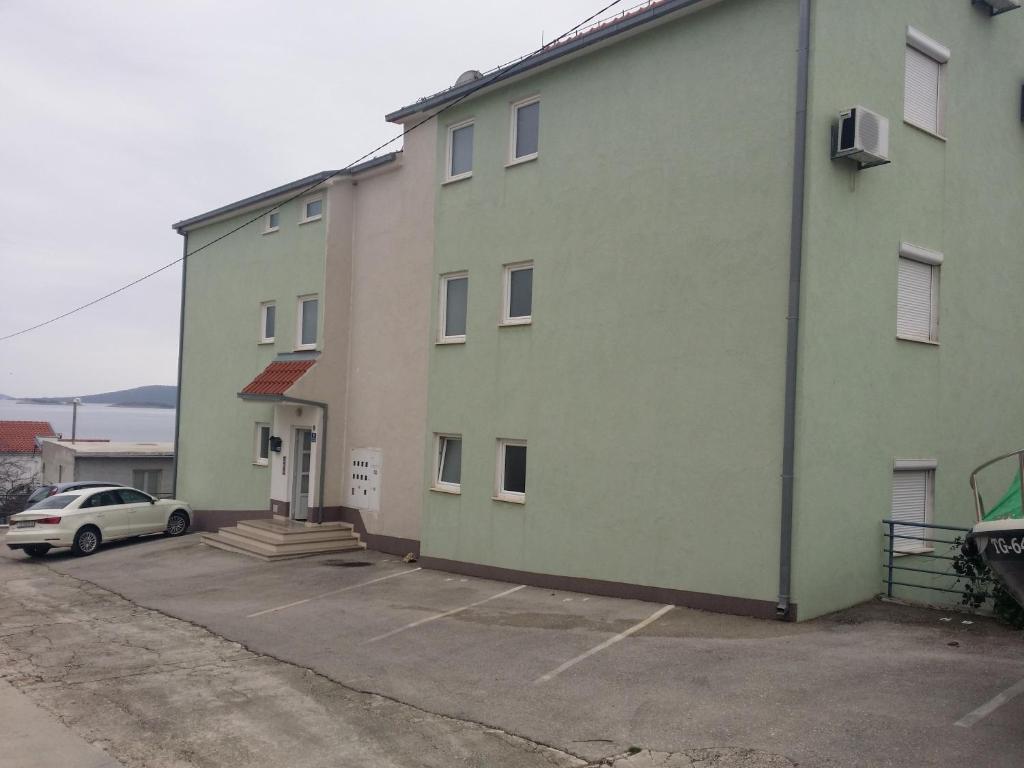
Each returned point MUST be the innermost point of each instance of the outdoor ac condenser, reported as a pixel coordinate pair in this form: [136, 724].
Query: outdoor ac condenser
[862, 136]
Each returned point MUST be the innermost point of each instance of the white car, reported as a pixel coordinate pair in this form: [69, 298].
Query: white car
[83, 518]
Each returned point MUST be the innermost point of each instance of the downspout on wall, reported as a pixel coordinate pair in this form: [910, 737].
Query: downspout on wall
[181, 350]
[796, 247]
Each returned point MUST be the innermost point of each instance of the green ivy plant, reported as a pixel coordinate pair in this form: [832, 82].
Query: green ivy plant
[979, 585]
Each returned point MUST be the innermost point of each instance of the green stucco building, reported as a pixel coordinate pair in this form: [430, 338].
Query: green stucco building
[679, 351]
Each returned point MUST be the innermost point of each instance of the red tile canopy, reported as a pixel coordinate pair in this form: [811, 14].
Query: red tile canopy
[278, 377]
[20, 436]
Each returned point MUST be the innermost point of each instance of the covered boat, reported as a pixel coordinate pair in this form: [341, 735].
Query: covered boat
[998, 536]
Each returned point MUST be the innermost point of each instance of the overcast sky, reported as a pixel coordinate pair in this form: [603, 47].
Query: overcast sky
[120, 118]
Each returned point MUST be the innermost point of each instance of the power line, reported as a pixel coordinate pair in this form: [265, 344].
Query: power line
[499, 73]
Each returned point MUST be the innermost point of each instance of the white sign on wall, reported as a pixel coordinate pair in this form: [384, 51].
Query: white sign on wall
[364, 476]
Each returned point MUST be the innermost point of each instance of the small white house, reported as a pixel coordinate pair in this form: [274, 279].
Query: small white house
[146, 466]
[19, 451]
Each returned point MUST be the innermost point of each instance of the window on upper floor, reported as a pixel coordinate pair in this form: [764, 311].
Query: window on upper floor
[510, 482]
[525, 137]
[917, 301]
[454, 295]
[517, 300]
[312, 210]
[268, 315]
[309, 307]
[459, 164]
[924, 92]
[448, 466]
[261, 448]
[272, 223]
[913, 501]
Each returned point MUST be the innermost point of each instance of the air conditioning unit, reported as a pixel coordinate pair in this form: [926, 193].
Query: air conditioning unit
[862, 136]
[995, 7]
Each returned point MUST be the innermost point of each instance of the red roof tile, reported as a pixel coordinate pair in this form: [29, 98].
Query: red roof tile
[20, 436]
[277, 378]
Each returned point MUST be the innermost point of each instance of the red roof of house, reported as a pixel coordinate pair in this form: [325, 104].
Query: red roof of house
[20, 436]
[278, 377]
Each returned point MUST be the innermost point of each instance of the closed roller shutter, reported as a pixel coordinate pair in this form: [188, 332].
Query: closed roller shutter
[921, 95]
[915, 303]
[909, 504]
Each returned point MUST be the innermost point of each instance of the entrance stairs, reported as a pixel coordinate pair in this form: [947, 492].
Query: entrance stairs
[279, 538]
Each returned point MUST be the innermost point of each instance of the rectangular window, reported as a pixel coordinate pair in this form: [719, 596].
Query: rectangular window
[460, 152]
[913, 501]
[147, 480]
[312, 210]
[924, 82]
[525, 130]
[511, 479]
[308, 310]
[517, 304]
[454, 304]
[917, 302]
[273, 222]
[268, 312]
[448, 471]
[261, 449]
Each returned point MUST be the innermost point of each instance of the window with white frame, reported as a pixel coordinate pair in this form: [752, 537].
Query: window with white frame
[525, 140]
[511, 471]
[913, 501]
[268, 318]
[459, 164]
[454, 295]
[924, 82]
[312, 210]
[309, 307]
[448, 467]
[272, 222]
[917, 300]
[517, 301]
[261, 448]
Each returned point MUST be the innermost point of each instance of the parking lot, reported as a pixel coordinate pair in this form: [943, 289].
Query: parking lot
[880, 685]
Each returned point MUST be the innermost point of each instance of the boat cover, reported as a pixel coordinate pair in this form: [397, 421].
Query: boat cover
[1008, 507]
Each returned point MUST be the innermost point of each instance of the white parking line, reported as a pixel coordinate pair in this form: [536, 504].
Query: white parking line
[991, 706]
[452, 612]
[332, 592]
[609, 642]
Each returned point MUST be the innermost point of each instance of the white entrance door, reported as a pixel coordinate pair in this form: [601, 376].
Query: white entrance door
[300, 475]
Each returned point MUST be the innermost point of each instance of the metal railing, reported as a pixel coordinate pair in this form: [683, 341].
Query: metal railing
[893, 551]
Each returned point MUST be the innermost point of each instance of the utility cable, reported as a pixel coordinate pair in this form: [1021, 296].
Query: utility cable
[499, 73]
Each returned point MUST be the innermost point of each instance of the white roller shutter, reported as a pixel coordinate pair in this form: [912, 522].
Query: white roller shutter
[915, 304]
[910, 491]
[921, 94]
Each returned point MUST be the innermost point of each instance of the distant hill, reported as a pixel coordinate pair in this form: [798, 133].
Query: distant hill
[153, 396]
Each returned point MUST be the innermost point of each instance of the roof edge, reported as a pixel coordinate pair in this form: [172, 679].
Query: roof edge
[579, 42]
[312, 181]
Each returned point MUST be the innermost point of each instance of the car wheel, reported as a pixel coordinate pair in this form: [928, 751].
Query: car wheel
[177, 523]
[37, 550]
[87, 541]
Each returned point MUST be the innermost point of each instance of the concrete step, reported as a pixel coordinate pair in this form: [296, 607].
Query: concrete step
[231, 542]
[277, 534]
[240, 538]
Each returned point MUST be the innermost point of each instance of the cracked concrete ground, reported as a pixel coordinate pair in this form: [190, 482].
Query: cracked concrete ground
[155, 691]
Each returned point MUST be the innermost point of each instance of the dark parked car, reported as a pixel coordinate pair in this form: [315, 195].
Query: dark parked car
[51, 489]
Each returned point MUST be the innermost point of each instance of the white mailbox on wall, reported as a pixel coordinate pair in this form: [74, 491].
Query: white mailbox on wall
[364, 476]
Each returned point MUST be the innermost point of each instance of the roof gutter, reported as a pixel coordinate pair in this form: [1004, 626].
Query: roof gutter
[322, 450]
[557, 51]
[785, 609]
